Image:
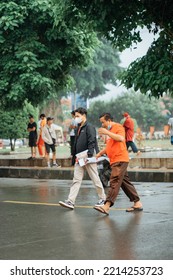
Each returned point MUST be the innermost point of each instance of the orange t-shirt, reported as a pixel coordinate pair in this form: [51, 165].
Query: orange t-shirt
[43, 123]
[117, 151]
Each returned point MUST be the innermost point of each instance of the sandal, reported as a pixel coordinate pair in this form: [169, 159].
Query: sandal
[134, 209]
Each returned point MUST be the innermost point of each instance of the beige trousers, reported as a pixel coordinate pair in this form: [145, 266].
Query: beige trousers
[77, 180]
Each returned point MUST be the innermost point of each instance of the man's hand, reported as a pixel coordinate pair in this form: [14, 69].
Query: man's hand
[97, 155]
[102, 130]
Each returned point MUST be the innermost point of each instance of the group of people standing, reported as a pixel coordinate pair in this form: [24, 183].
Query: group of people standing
[44, 139]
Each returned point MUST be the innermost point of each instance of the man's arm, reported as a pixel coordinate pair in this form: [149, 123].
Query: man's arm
[32, 129]
[114, 136]
[44, 135]
[91, 139]
[102, 152]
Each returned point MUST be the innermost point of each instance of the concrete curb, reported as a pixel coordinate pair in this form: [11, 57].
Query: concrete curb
[136, 175]
[146, 163]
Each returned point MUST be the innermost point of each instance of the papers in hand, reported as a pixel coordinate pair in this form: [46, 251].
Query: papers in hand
[82, 154]
[83, 158]
[84, 161]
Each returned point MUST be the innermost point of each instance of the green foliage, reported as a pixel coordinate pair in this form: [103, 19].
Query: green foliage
[91, 81]
[116, 19]
[119, 21]
[152, 73]
[147, 112]
[13, 123]
[40, 41]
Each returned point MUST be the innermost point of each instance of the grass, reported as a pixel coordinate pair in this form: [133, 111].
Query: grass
[64, 151]
[61, 151]
[164, 144]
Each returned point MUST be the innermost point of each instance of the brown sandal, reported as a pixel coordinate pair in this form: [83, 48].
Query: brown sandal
[101, 210]
[134, 209]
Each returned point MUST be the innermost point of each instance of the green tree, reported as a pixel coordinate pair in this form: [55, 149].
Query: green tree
[14, 123]
[91, 81]
[40, 42]
[147, 112]
[119, 21]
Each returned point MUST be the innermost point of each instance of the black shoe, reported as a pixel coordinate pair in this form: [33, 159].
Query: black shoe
[30, 158]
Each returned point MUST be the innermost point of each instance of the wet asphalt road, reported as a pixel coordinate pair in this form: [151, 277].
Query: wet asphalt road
[33, 225]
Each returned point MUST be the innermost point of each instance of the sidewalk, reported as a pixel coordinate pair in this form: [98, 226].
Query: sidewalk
[153, 166]
[151, 153]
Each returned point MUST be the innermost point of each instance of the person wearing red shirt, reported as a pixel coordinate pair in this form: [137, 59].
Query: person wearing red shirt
[129, 132]
[117, 152]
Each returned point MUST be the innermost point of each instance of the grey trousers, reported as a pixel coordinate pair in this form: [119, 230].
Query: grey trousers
[77, 180]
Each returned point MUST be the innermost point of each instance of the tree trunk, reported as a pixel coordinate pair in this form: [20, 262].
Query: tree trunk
[12, 144]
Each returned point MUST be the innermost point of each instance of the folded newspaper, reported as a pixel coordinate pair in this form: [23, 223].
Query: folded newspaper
[82, 154]
[84, 161]
[83, 158]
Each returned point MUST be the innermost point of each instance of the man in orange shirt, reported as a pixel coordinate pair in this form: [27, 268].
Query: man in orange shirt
[117, 152]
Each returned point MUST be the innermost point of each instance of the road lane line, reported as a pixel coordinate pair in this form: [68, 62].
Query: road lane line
[53, 204]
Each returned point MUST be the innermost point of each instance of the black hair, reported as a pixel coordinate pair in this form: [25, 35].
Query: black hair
[30, 116]
[107, 116]
[81, 111]
[42, 115]
[73, 113]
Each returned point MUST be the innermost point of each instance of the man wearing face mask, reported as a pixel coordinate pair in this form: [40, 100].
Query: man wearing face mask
[85, 140]
[117, 152]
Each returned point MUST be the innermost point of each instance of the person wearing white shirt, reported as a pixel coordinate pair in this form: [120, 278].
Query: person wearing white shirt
[49, 137]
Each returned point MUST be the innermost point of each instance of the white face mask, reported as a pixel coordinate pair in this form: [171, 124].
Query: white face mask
[78, 120]
[109, 126]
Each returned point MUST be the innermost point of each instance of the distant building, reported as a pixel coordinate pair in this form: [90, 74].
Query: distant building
[78, 101]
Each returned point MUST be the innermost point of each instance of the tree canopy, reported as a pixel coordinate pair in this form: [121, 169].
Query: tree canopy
[40, 42]
[119, 21]
[103, 69]
[146, 113]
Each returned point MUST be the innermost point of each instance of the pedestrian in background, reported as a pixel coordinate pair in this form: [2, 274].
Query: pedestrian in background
[72, 127]
[32, 129]
[40, 142]
[49, 138]
[85, 140]
[170, 129]
[117, 153]
[129, 133]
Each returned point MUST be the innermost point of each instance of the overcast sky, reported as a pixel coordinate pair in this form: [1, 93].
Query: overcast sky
[126, 57]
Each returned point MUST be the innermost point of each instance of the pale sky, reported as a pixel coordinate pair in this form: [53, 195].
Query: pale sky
[126, 57]
[138, 50]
